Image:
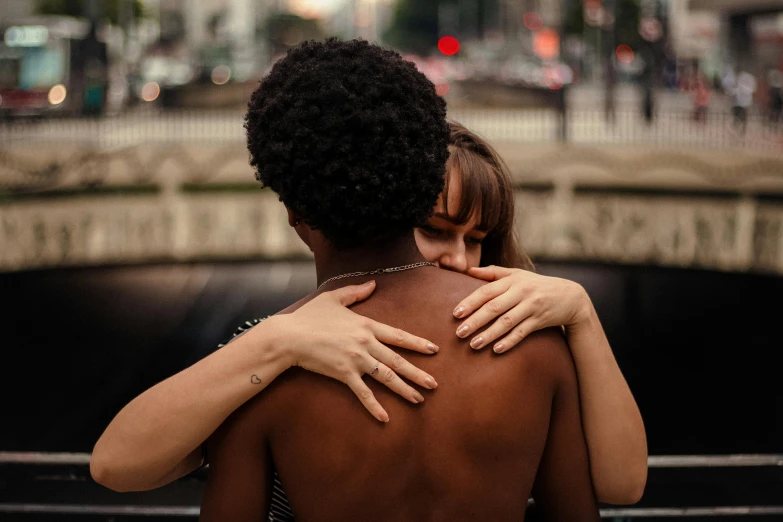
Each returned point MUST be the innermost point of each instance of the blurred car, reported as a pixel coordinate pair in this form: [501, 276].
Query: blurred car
[159, 74]
[51, 65]
[530, 73]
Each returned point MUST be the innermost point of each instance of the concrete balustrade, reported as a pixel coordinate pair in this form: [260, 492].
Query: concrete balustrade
[170, 188]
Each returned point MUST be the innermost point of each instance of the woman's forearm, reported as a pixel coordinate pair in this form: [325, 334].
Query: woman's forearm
[156, 437]
[616, 439]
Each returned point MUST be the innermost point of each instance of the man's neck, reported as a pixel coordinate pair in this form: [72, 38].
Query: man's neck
[333, 262]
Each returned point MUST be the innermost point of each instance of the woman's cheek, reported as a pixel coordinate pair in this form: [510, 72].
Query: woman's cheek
[427, 246]
[473, 257]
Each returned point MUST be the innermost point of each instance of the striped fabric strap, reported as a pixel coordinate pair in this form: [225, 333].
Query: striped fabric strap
[242, 329]
[279, 510]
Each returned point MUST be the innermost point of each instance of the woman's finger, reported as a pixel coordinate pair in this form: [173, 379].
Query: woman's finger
[349, 295]
[403, 367]
[388, 378]
[519, 332]
[360, 388]
[503, 325]
[402, 339]
[494, 308]
[490, 273]
[480, 296]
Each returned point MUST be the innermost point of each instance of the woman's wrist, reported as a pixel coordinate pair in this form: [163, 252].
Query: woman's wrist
[585, 312]
[271, 346]
[584, 332]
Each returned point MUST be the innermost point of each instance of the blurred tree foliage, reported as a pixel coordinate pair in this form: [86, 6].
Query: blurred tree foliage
[414, 26]
[626, 14]
[285, 30]
[110, 8]
[627, 23]
[574, 18]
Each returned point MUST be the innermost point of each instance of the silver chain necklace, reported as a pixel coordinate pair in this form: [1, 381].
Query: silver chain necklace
[377, 271]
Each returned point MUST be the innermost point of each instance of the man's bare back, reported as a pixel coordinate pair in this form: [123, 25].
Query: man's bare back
[497, 430]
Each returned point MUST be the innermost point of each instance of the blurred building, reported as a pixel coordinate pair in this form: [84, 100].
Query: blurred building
[367, 19]
[216, 30]
[749, 32]
[511, 23]
[10, 9]
[694, 35]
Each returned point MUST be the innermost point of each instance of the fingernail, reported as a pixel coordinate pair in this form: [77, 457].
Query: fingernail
[498, 348]
[384, 417]
[462, 331]
[458, 312]
[476, 342]
[370, 283]
[431, 347]
[419, 397]
[430, 382]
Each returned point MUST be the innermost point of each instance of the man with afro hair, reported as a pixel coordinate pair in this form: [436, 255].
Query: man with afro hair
[354, 141]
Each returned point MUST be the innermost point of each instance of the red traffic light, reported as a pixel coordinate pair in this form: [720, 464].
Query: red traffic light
[625, 53]
[448, 45]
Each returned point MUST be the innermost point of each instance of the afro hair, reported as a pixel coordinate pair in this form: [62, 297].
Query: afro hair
[352, 138]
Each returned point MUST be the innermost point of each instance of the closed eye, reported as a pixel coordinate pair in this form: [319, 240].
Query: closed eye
[431, 231]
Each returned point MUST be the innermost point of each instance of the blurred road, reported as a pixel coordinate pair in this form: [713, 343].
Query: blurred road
[590, 96]
[515, 125]
[673, 125]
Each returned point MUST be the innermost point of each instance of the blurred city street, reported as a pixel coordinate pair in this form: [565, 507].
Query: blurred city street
[643, 139]
[672, 125]
[513, 126]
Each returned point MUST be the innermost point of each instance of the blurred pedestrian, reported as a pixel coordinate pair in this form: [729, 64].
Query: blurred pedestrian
[717, 84]
[648, 104]
[648, 100]
[609, 95]
[775, 97]
[701, 93]
[742, 94]
[728, 81]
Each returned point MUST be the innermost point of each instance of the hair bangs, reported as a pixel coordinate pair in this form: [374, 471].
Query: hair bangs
[480, 196]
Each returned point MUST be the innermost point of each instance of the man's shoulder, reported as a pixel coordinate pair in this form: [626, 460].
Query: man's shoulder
[548, 352]
[547, 342]
[455, 283]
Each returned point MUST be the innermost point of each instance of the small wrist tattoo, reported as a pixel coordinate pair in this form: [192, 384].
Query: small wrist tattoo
[254, 379]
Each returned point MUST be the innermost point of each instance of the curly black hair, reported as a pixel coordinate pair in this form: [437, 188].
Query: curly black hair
[352, 138]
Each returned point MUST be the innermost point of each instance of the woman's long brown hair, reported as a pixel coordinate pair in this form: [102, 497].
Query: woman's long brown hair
[486, 188]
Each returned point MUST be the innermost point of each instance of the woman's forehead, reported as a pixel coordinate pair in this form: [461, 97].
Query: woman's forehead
[440, 213]
[453, 189]
[455, 209]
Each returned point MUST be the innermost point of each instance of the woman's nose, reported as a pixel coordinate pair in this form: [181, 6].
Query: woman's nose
[454, 259]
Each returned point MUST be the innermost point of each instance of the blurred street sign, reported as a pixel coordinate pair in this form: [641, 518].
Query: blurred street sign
[26, 36]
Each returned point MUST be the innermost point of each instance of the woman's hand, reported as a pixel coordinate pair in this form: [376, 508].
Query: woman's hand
[325, 337]
[522, 301]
